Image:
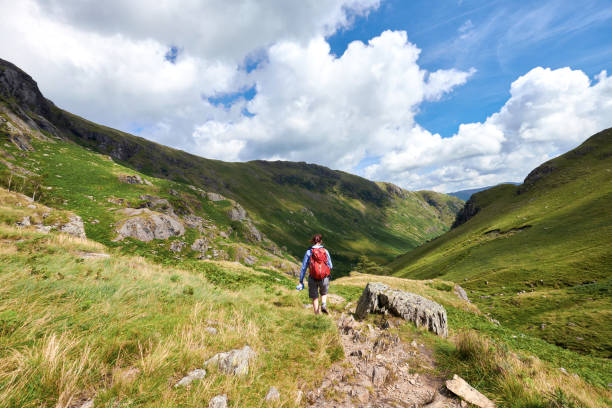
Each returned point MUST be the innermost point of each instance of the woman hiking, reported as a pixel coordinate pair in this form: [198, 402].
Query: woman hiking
[319, 265]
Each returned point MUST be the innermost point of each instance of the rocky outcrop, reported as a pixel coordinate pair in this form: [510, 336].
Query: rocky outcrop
[193, 221]
[74, 226]
[469, 210]
[149, 225]
[133, 179]
[235, 362]
[380, 298]
[214, 196]
[237, 213]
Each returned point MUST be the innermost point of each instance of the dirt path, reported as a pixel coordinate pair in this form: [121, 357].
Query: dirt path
[379, 371]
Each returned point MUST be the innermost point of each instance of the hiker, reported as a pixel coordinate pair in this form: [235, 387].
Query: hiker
[319, 265]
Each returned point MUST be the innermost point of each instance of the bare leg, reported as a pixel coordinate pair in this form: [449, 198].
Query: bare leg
[315, 305]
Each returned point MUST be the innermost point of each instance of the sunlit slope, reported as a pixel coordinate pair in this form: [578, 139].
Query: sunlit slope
[537, 256]
[288, 201]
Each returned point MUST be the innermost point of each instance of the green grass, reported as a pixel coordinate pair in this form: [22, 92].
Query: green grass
[537, 256]
[72, 327]
[510, 367]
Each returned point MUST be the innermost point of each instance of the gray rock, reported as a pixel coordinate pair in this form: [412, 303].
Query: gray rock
[200, 245]
[193, 221]
[211, 330]
[459, 387]
[150, 225]
[215, 197]
[196, 374]
[237, 213]
[461, 293]
[177, 246]
[272, 395]
[234, 362]
[379, 298]
[132, 179]
[74, 226]
[220, 401]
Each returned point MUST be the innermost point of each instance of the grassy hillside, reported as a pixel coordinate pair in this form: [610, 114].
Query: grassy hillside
[538, 256]
[80, 320]
[287, 201]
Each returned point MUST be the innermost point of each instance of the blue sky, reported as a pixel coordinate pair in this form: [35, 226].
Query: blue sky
[508, 38]
[442, 95]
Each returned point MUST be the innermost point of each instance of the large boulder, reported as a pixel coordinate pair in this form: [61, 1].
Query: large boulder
[149, 225]
[379, 298]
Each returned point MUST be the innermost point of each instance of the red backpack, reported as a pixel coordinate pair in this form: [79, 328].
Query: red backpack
[318, 264]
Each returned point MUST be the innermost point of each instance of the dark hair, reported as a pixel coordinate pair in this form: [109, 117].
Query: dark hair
[316, 239]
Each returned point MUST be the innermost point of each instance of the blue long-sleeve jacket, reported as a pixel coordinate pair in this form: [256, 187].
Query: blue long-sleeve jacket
[306, 261]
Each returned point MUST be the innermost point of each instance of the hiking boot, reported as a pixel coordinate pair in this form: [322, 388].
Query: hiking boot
[324, 309]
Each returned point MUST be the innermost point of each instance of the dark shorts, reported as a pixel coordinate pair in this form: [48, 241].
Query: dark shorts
[317, 286]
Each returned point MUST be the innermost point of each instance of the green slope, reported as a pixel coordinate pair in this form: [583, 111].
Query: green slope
[287, 201]
[537, 256]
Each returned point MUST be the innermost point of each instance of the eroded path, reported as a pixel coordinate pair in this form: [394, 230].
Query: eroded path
[380, 370]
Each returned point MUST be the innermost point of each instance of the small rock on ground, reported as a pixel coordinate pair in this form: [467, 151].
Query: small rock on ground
[459, 387]
[272, 395]
[220, 401]
[234, 362]
[197, 374]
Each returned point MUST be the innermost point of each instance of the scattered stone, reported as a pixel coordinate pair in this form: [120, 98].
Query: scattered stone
[132, 179]
[234, 362]
[272, 395]
[459, 387]
[25, 222]
[177, 246]
[378, 298]
[461, 293]
[196, 374]
[211, 330]
[563, 370]
[220, 401]
[95, 221]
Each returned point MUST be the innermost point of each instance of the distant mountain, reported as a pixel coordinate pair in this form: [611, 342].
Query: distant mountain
[466, 194]
[286, 201]
[537, 256]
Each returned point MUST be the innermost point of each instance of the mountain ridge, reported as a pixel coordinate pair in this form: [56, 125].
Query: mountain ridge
[532, 253]
[356, 215]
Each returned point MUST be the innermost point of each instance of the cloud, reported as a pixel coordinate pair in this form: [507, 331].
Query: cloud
[143, 66]
[548, 113]
[338, 111]
[160, 69]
